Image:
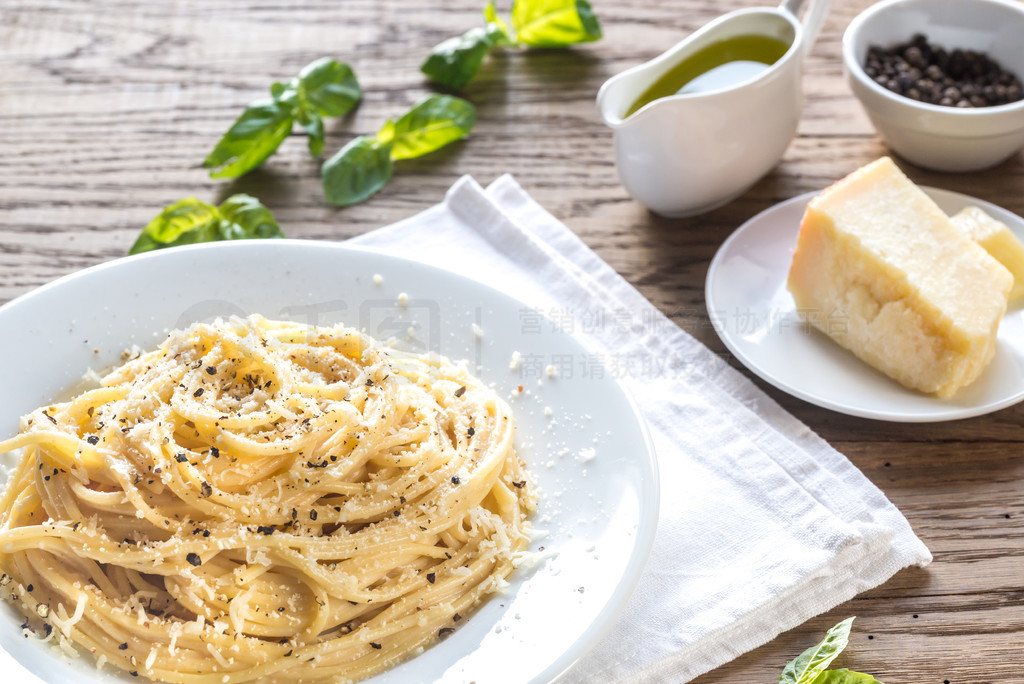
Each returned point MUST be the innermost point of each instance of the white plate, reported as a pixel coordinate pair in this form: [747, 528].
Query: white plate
[599, 513]
[755, 316]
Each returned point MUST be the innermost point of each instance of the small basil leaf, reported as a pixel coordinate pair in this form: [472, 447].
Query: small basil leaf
[286, 94]
[554, 23]
[254, 136]
[812, 662]
[182, 223]
[244, 217]
[433, 123]
[314, 126]
[327, 87]
[844, 676]
[456, 61]
[358, 170]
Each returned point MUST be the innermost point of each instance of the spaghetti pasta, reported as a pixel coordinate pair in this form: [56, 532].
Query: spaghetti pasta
[263, 501]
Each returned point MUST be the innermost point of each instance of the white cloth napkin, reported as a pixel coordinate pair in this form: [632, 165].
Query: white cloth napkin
[778, 526]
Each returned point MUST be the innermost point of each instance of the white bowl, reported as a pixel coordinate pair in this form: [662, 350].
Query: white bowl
[934, 136]
[598, 517]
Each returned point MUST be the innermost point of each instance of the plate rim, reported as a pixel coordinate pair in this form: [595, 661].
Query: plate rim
[943, 413]
[649, 492]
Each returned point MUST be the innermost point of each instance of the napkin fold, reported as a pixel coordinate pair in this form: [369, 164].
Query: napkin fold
[762, 526]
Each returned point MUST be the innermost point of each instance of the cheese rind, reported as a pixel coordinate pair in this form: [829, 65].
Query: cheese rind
[998, 240]
[880, 269]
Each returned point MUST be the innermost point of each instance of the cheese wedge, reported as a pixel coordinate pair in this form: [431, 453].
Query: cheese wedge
[998, 240]
[880, 269]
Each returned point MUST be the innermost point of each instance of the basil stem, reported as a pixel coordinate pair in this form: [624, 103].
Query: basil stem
[324, 87]
[190, 221]
[366, 164]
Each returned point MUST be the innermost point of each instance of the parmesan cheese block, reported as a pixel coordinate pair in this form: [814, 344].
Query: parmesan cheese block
[997, 240]
[880, 269]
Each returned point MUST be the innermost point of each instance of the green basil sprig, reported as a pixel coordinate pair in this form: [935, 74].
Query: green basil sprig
[810, 667]
[324, 88]
[535, 23]
[365, 164]
[189, 221]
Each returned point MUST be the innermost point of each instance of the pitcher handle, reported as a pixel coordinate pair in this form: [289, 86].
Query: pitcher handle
[812, 21]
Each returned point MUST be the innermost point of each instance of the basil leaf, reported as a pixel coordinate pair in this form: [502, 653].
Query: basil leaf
[191, 221]
[286, 94]
[844, 676]
[254, 136]
[314, 126]
[386, 134]
[244, 217]
[327, 87]
[181, 223]
[554, 23]
[366, 163]
[358, 170]
[812, 662]
[433, 123]
[283, 92]
[324, 87]
[454, 62]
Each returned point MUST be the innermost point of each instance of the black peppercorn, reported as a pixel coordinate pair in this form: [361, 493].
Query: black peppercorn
[950, 78]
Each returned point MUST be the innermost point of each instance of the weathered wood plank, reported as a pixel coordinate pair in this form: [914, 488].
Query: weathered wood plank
[107, 108]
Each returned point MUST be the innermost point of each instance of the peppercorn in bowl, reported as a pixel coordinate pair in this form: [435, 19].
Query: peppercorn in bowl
[941, 80]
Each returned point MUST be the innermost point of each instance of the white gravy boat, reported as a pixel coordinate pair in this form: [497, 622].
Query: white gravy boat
[689, 153]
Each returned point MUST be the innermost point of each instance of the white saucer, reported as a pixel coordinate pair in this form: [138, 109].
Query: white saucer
[755, 316]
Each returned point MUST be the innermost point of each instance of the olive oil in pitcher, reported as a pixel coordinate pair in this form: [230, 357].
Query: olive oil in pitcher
[716, 66]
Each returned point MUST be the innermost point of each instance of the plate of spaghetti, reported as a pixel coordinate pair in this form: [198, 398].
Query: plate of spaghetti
[295, 461]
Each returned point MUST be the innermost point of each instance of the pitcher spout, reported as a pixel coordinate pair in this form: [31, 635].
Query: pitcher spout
[618, 94]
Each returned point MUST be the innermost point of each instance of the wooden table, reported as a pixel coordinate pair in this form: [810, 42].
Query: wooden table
[107, 108]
